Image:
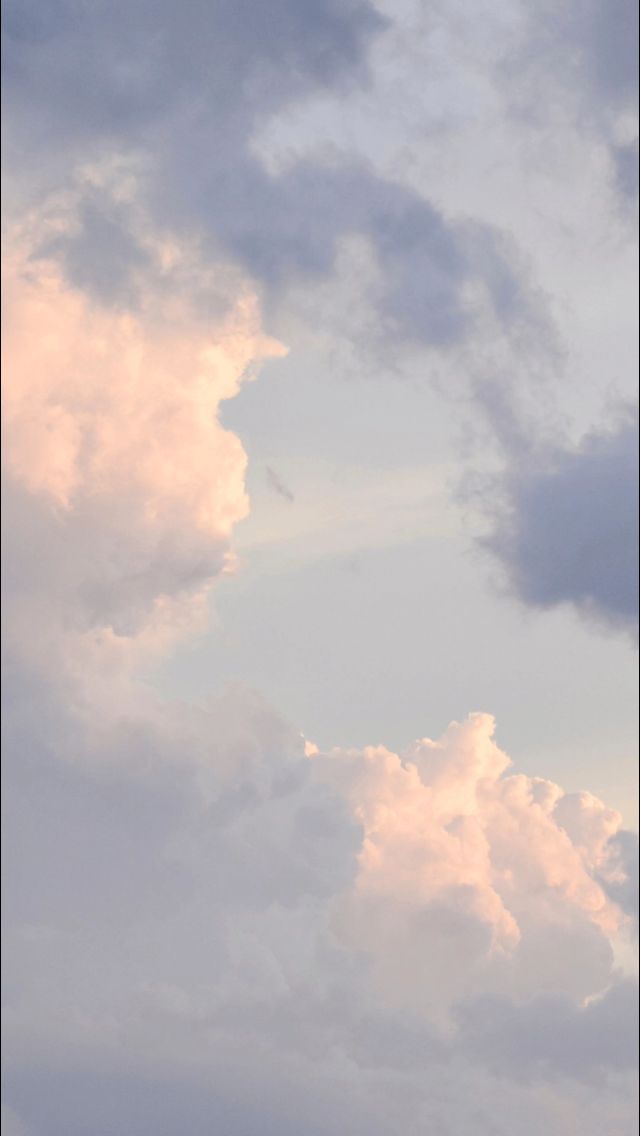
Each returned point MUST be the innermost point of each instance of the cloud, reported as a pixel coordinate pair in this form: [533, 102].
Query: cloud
[99, 252]
[194, 897]
[472, 875]
[620, 871]
[196, 902]
[112, 431]
[12, 1125]
[587, 52]
[625, 156]
[209, 923]
[606, 40]
[189, 93]
[570, 530]
[250, 58]
[552, 1037]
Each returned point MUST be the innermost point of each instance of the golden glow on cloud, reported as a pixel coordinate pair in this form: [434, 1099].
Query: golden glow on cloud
[100, 402]
[461, 862]
[111, 417]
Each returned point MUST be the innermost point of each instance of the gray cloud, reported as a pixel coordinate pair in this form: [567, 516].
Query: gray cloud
[570, 532]
[586, 51]
[172, 961]
[113, 70]
[621, 880]
[185, 93]
[626, 166]
[181, 880]
[607, 38]
[102, 255]
[551, 1037]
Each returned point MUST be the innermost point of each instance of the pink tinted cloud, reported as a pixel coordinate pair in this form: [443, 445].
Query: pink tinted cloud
[111, 420]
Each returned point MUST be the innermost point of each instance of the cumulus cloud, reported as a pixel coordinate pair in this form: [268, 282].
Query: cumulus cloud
[113, 438]
[570, 530]
[194, 896]
[487, 878]
[262, 926]
[211, 925]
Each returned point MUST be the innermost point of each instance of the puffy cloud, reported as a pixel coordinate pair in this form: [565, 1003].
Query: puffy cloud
[473, 875]
[113, 443]
[210, 924]
[202, 903]
[570, 531]
[207, 920]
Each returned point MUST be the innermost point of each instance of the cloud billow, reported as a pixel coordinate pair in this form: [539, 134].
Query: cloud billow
[239, 921]
[188, 92]
[210, 923]
[569, 533]
[196, 897]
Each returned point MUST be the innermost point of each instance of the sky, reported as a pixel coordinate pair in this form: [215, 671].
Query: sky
[320, 445]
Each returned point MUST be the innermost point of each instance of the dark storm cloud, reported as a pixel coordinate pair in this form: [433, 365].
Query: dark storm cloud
[571, 531]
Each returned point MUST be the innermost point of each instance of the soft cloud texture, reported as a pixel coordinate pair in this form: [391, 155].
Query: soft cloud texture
[178, 94]
[193, 895]
[551, 1037]
[489, 878]
[570, 533]
[111, 426]
[588, 53]
[226, 912]
[210, 923]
